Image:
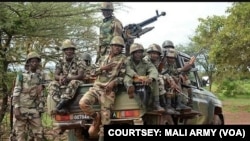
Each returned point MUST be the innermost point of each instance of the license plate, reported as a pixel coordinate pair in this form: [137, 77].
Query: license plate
[80, 117]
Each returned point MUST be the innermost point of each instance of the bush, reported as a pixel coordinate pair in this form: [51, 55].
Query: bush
[232, 88]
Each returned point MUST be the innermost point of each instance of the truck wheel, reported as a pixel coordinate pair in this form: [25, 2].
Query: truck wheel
[216, 120]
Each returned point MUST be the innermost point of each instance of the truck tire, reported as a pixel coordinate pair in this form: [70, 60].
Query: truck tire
[217, 120]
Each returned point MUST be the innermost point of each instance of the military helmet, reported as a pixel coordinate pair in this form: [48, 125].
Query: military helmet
[171, 53]
[154, 47]
[86, 56]
[33, 55]
[68, 44]
[117, 40]
[168, 44]
[135, 46]
[107, 6]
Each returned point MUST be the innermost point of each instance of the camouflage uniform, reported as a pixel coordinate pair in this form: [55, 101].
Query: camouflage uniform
[99, 92]
[109, 28]
[161, 78]
[143, 68]
[171, 69]
[66, 69]
[28, 100]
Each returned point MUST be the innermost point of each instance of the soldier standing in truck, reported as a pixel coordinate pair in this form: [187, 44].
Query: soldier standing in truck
[109, 28]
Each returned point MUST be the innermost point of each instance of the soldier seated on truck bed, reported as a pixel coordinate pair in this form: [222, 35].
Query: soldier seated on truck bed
[137, 67]
[171, 69]
[68, 73]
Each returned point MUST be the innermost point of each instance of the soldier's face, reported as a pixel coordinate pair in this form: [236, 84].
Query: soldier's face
[107, 13]
[69, 53]
[137, 55]
[33, 63]
[170, 60]
[154, 56]
[116, 49]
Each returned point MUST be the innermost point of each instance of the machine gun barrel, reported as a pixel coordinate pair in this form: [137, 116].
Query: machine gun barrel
[153, 19]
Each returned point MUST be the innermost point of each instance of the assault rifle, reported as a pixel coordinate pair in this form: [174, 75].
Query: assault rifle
[132, 31]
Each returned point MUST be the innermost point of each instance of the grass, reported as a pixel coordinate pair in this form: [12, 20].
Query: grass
[236, 104]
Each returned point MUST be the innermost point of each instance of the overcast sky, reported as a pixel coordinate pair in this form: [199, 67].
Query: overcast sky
[178, 24]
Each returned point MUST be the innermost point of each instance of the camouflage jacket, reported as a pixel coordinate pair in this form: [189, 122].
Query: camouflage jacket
[109, 28]
[117, 73]
[71, 68]
[171, 69]
[24, 94]
[144, 68]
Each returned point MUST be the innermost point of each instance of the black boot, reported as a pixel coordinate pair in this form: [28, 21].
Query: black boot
[61, 105]
[190, 98]
[167, 106]
[156, 105]
[180, 106]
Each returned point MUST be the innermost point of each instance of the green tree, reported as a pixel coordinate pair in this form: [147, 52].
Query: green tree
[41, 26]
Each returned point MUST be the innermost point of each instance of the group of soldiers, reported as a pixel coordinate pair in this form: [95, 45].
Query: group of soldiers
[157, 69]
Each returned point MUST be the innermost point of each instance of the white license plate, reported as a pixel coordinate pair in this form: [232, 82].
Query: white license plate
[80, 117]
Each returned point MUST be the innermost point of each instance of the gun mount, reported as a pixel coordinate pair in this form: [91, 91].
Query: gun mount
[132, 31]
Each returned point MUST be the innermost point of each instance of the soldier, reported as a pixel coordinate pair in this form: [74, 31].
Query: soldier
[171, 68]
[89, 70]
[109, 74]
[137, 67]
[184, 70]
[109, 28]
[154, 55]
[27, 96]
[69, 74]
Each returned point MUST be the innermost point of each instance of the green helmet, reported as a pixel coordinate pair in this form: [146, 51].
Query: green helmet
[135, 46]
[68, 44]
[33, 55]
[168, 44]
[154, 47]
[107, 6]
[171, 53]
[117, 40]
[86, 56]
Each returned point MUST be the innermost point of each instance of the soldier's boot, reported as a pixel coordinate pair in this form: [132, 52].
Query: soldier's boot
[94, 127]
[180, 106]
[167, 107]
[60, 107]
[156, 105]
[190, 100]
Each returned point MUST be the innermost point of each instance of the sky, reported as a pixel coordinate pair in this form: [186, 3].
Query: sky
[177, 25]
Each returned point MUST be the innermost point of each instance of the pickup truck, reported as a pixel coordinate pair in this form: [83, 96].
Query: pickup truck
[133, 111]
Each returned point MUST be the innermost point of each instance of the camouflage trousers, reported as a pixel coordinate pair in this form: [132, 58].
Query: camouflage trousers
[59, 92]
[106, 101]
[161, 83]
[29, 126]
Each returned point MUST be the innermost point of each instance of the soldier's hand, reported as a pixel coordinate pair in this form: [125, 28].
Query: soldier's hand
[110, 86]
[147, 81]
[17, 113]
[39, 89]
[192, 60]
[108, 66]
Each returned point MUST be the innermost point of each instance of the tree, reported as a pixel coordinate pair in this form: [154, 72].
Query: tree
[41, 26]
